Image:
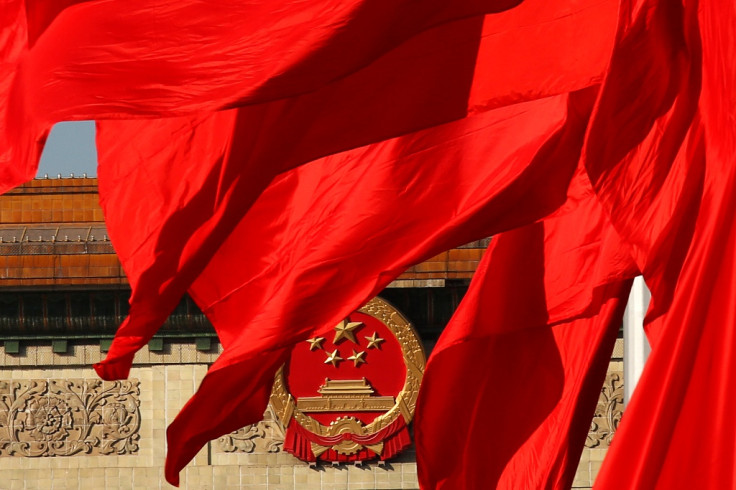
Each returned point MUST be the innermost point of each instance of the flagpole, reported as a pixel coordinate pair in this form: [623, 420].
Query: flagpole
[636, 346]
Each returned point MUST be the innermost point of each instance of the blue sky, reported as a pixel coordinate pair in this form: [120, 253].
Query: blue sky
[69, 149]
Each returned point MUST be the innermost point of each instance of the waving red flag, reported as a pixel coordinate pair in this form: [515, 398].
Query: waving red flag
[115, 59]
[259, 288]
[511, 386]
[664, 168]
[19, 155]
[110, 60]
[183, 222]
[186, 220]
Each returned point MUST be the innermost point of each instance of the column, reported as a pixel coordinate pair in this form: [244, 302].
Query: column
[636, 346]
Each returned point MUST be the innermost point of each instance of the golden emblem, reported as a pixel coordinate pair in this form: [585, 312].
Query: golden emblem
[356, 395]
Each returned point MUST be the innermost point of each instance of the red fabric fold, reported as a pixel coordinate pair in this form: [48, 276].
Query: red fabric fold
[184, 56]
[631, 153]
[224, 161]
[266, 294]
[670, 189]
[110, 60]
[511, 386]
[395, 437]
[20, 150]
[225, 409]
[389, 431]
[659, 154]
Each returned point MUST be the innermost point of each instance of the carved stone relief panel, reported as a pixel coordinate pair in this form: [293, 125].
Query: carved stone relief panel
[608, 412]
[267, 436]
[64, 417]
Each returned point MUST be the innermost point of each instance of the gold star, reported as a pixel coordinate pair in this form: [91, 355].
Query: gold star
[357, 358]
[374, 341]
[315, 342]
[344, 329]
[333, 358]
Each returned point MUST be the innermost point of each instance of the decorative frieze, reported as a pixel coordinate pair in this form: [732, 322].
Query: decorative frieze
[60, 417]
[608, 412]
[267, 436]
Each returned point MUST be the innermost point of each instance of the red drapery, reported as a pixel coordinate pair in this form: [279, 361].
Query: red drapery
[658, 153]
[253, 290]
[511, 385]
[110, 60]
[395, 437]
[669, 185]
[182, 223]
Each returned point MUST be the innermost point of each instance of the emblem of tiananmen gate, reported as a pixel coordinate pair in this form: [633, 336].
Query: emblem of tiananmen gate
[350, 394]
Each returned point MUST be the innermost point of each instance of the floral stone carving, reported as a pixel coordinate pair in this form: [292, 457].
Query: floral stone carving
[65, 417]
[608, 412]
[266, 436]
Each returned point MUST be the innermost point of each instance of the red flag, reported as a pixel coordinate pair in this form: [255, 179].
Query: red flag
[185, 56]
[110, 59]
[263, 293]
[21, 136]
[186, 224]
[18, 160]
[670, 186]
[511, 386]
[630, 163]
[405, 90]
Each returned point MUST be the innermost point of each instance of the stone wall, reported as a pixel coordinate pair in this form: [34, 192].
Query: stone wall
[606, 419]
[61, 427]
[85, 433]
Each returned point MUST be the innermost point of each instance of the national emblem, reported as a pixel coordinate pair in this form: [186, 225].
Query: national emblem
[355, 411]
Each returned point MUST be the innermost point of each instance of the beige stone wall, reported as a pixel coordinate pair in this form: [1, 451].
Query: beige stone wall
[606, 419]
[610, 409]
[166, 381]
[248, 459]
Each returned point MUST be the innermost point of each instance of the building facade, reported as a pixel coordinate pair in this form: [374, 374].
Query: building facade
[62, 295]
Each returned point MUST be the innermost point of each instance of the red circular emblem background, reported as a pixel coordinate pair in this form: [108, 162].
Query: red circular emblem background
[383, 368]
[348, 394]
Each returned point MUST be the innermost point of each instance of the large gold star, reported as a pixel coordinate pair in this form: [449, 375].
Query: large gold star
[333, 358]
[374, 341]
[344, 330]
[357, 358]
[315, 342]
